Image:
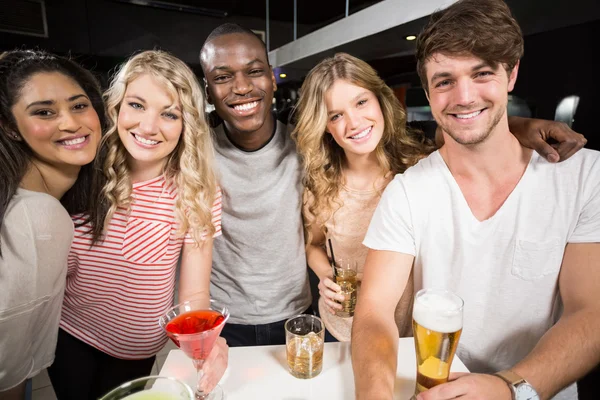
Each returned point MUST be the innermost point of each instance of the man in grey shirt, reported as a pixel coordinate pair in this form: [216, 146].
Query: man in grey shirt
[259, 268]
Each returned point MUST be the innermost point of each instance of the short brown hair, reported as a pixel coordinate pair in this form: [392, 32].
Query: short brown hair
[483, 28]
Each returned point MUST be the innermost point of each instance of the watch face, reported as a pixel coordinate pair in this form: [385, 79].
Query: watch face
[526, 392]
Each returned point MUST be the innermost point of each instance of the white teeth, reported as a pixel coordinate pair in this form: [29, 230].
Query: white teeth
[246, 107]
[144, 141]
[73, 141]
[362, 134]
[467, 116]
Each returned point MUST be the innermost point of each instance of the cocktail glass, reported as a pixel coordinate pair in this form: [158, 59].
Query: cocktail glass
[194, 327]
[151, 388]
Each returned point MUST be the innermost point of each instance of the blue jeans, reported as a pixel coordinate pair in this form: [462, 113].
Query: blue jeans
[257, 335]
[28, 389]
[329, 337]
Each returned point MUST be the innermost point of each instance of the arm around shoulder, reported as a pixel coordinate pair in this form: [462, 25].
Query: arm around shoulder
[535, 134]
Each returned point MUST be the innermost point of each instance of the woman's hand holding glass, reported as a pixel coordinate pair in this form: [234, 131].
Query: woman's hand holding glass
[330, 292]
[215, 365]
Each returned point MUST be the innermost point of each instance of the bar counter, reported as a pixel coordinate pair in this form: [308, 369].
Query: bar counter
[261, 372]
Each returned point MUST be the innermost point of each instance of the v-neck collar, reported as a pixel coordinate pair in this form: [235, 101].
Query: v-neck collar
[456, 187]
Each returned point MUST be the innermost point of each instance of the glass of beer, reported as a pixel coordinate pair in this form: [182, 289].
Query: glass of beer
[345, 276]
[437, 325]
[304, 337]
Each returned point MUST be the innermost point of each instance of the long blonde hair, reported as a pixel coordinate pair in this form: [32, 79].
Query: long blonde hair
[190, 165]
[323, 158]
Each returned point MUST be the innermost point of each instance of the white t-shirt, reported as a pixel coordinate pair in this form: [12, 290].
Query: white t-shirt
[36, 237]
[506, 267]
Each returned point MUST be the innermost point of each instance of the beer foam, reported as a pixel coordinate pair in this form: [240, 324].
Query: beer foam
[438, 312]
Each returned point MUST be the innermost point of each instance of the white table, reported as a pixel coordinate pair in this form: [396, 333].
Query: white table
[261, 372]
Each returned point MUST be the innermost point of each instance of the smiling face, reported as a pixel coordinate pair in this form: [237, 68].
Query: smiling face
[149, 124]
[240, 82]
[354, 117]
[56, 119]
[468, 97]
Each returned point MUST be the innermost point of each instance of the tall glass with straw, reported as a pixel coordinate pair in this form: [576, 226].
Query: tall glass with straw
[345, 275]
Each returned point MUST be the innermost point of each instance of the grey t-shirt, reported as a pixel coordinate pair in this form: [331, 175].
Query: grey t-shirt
[259, 265]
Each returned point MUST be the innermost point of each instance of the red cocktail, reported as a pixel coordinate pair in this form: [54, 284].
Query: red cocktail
[194, 327]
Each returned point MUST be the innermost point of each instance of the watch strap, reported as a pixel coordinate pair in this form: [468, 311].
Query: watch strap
[511, 380]
[510, 377]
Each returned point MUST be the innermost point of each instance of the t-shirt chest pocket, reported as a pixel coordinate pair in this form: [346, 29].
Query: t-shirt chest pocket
[534, 259]
[145, 241]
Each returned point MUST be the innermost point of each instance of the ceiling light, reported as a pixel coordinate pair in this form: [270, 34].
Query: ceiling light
[410, 37]
[282, 75]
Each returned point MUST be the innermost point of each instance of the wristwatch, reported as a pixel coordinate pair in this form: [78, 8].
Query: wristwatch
[520, 388]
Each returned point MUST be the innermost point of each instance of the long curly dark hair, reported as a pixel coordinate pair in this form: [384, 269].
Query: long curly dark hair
[16, 68]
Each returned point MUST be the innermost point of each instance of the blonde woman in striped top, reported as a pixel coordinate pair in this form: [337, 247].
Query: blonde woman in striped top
[160, 204]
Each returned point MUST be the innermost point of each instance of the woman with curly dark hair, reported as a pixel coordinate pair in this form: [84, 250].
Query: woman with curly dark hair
[51, 121]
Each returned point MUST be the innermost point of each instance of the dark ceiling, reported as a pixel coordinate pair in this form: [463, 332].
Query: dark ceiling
[560, 39]
[309, 12]
[393, 57]
[108, 31]
[114, 29]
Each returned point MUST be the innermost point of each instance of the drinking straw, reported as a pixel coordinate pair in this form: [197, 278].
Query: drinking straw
[332, 257]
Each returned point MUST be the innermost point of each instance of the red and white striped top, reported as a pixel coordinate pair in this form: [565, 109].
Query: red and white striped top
[117, 290]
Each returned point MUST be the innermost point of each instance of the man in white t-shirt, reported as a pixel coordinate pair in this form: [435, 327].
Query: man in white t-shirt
[515, 236]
